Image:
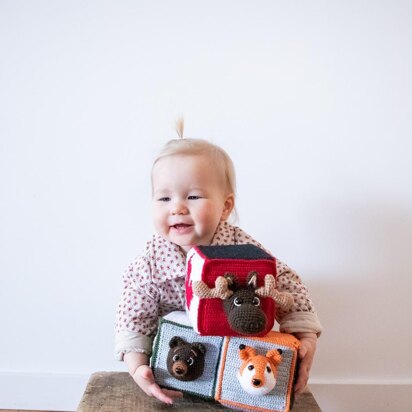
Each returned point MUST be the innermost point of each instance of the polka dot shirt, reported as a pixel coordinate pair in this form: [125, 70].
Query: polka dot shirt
[153, 285]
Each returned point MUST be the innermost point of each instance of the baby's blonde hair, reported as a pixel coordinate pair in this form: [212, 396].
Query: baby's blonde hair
[221, 161]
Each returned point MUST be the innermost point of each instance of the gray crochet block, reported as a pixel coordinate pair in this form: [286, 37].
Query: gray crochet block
[203, 386]
[229, 391]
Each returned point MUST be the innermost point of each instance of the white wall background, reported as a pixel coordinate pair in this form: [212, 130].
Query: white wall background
[311, 99]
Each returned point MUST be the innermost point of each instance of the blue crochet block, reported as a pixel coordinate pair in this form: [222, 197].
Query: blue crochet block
[244, 373]
[203, 385]
[275, 355]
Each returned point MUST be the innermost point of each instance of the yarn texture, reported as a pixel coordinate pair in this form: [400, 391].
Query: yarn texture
[224, 362]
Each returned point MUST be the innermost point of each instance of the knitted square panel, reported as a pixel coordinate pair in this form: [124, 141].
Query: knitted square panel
[230, 393]
[206, 263]
[204, 385]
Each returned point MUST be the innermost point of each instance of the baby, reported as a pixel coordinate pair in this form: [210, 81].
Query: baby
[193, 193]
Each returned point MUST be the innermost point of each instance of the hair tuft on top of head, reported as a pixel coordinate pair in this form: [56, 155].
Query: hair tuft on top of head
[180, 125]
[186, 146]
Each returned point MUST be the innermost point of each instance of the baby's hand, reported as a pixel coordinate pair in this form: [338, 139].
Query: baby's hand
[306, 354]
[143, 376]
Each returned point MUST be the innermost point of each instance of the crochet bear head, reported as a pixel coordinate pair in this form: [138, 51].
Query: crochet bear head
[185, 361]
[257, 374]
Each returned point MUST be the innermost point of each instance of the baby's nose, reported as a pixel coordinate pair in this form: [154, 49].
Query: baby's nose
[179, 209]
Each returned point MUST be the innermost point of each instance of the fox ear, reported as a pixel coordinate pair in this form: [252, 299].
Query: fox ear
[246, 352]
[274, 356]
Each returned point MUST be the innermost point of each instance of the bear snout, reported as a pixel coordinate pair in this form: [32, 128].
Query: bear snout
[180, 368]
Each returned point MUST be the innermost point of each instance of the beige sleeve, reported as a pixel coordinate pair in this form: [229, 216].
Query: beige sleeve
[301, 317]
[126, 341]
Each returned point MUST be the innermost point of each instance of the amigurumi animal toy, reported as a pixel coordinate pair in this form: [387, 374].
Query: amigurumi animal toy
[257, 374]
[185, 361]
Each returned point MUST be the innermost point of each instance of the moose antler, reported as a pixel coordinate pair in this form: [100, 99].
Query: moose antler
[221, 289]
[283, 299]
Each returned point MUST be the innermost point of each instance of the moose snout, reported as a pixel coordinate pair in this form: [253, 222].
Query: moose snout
[255, 326]
[247, 320]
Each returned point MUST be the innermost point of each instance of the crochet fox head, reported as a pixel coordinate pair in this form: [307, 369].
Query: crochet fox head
[257, 374]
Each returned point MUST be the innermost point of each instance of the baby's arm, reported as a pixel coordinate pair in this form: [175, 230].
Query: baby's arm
[137, 318]
[306, 354]
[301, 320]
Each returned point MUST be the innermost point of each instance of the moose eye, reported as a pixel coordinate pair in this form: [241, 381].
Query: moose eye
[268, 369]
[238, 301]
[256, 301]
[190, 361]
[251, 367]
[175, 358]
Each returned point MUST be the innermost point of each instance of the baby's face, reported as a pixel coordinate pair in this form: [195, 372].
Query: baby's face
[188, 200]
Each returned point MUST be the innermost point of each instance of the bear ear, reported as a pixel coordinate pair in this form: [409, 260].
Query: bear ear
[200, 347]
[176, 341]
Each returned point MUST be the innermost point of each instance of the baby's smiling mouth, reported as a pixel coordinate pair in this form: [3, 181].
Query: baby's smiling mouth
[181, 226]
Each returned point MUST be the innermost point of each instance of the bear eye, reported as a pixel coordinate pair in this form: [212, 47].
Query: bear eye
[251, 367]
[190, 361]
[268, 369]
[238, 301]
[256, 301]
[175, 358]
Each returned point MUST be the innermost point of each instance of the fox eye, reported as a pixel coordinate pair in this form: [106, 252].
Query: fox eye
[268, 369]
[256, 301]
[251, 367]
[175, 358]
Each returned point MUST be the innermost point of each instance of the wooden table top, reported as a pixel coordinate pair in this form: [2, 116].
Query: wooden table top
[117, 392]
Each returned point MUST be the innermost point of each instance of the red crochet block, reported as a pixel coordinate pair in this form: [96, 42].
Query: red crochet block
[206, 263]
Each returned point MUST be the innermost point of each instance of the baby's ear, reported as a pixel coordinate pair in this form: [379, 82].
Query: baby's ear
[228, 206]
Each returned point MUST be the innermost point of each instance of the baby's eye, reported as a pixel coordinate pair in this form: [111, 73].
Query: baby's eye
[164, 199]
[193, 197]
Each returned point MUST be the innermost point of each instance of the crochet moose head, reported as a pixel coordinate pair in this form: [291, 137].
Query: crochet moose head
[242, 303]
[257, 374]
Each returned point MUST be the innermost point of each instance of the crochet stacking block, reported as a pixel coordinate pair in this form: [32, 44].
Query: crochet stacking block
[257, 374]
[243, 266]
[182, 359]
